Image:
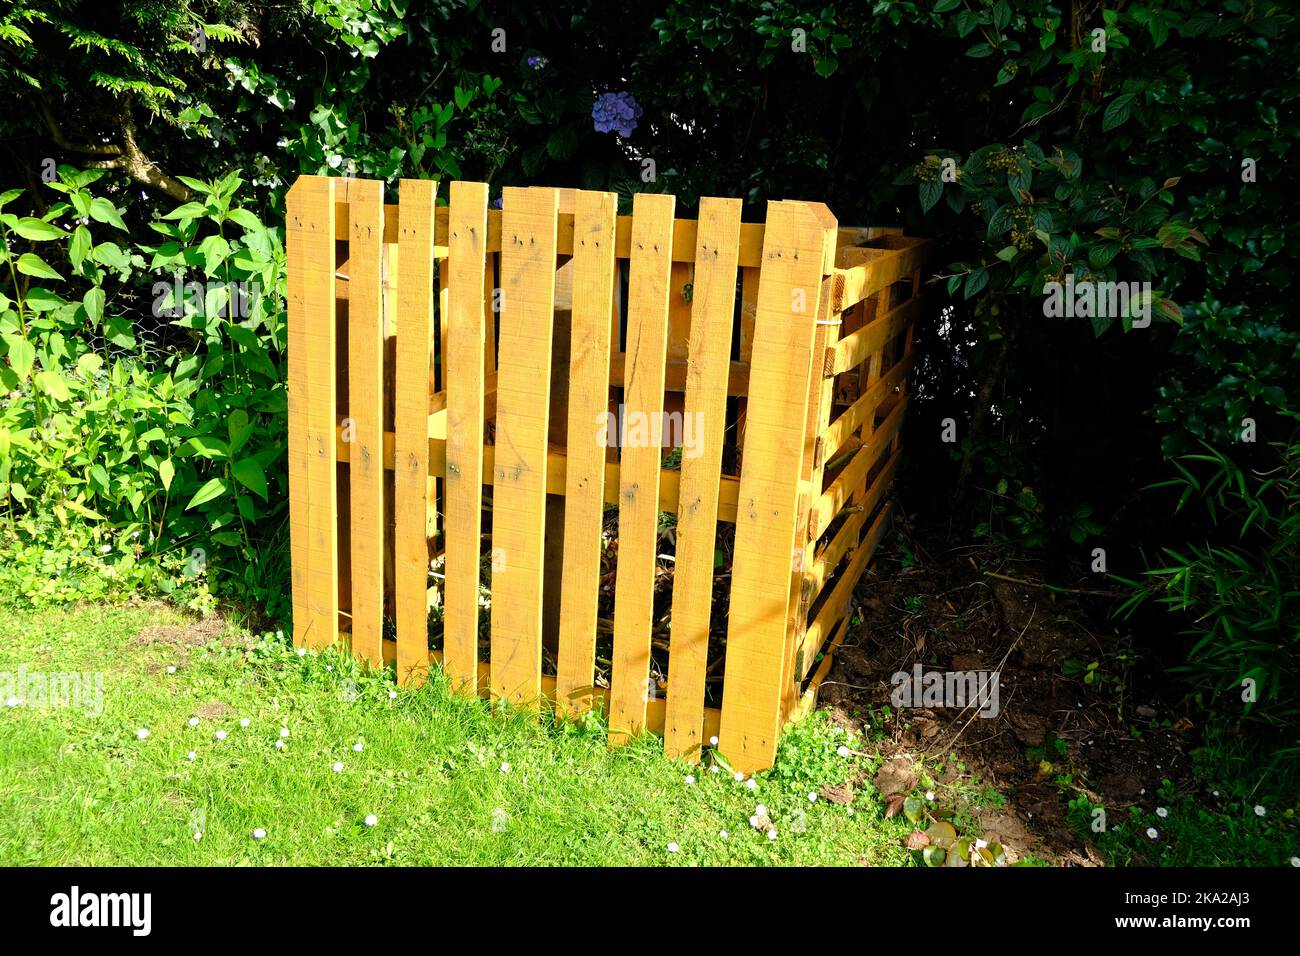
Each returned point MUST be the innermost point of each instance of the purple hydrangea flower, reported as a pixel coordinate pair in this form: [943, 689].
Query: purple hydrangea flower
[616, 112]
[497, 202]
[537, 62]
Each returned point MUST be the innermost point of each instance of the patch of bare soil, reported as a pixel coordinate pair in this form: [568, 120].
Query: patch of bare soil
[194, 633]
[1053, 737]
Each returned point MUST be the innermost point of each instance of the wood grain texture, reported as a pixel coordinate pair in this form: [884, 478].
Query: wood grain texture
[415, 290]
[366, 410]
[312, 400]
[584, 489]
[519, 469]
[464, 336]
[713, 303]
[641, 458]
[794, 254]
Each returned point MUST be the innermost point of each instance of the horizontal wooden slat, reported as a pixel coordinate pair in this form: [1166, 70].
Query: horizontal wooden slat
[684, 236]
[839, 431]
[556, 472]
[826, 507]
[828, 558]
[865, 278]
[852, 350]
[837, 603]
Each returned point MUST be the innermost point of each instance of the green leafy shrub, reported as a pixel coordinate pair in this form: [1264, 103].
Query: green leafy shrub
[142, 382]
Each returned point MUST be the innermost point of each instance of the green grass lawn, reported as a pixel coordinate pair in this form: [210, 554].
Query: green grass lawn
[448, 781]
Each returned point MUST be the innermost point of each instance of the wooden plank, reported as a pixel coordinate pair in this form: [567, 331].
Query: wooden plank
[852, 350]
[677, 370]
[584, 488]
[556, 475]
[523, 412]
[638, 514]
[860, 412]
[411, 442]
[366, 409]
[836, 605]
[866, 271]
[312, 400]
[846, 538]
[794, 253]
[852, 477]
[463, 335]
[713, 304]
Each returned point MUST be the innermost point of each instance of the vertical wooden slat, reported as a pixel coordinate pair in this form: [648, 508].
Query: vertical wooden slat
[366, 410]
[794, 250]
[462, 375]
[638, 517]
[528, 237]
[593, 300]
[411, 438]
[712, 307]
[312, 396]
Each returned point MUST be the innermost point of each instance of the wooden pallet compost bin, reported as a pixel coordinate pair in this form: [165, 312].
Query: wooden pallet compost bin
[456, 493]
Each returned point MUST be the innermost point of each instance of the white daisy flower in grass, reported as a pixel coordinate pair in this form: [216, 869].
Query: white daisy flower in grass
[771, 834]
[301, 651]
[142, 733]
[672, 848]
[1162, 812]
[929, 795]
[358, 746]
[723, 834]
[171, 668]
[714, 769]
[193, 721]
[753, 821]
[842, 750]
[1153, 833]
[1259, 810]
[259, 834]
[505, 767]
[812, 796]
[338, 767]
[713, 741]
[392, 695]
[371, 820]
[690, 779]
[197, 836]
[751, 784]
[1295, 861]
[220, 735]
[760, 810]
[244, 722]
[740, 777]
[279, 745]
[191, 755]
[12, 702]
[284, 731]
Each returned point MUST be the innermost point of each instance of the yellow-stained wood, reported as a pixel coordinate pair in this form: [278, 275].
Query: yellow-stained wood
[848, 481]
[641, 444]
[464, 333]
[713, 302]
[866, 271]
[846, 538]
[836, 604]
[860, 412]
[852, 350]
[366, 410]
[794, 255]
[411, 443]
[312, 400]
[523, 411]
[584, 488]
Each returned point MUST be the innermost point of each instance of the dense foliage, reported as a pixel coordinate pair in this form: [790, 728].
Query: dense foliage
[1041, 142]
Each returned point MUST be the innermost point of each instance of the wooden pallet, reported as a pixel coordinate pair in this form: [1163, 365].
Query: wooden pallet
[448, 368]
